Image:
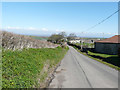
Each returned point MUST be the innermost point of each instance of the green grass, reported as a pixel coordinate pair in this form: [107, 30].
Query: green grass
[101, 55]
[110, 60]
[21, 69]
[39, 38]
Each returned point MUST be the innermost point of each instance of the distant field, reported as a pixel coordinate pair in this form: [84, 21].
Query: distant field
[39, 38]
[92, 38]
[29, 68]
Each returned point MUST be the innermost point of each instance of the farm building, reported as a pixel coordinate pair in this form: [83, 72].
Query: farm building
[109, 45]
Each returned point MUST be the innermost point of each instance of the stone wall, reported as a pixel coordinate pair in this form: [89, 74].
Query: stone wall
[15, 41]
[107, 48]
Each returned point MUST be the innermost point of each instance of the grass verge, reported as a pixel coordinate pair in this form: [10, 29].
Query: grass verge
[90, 54]
[29, 68]
[101, 55]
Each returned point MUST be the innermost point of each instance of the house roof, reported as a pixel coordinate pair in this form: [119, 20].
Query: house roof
[114, 39]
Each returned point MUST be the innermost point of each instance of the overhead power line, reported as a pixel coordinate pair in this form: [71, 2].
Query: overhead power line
[103, 20]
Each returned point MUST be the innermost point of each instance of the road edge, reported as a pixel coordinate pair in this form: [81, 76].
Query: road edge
[108, 64]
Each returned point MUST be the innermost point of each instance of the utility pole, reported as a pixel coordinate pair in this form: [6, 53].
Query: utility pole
[81, 42]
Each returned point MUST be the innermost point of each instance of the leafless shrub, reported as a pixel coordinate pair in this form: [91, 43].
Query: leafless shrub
[15, 41]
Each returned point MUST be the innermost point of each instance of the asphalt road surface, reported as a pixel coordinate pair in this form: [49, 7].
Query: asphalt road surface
[79, 71]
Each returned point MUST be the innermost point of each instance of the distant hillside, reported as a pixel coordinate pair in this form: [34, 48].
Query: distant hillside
[15, 41]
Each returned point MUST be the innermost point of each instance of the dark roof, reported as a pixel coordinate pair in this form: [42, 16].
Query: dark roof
[114, 39]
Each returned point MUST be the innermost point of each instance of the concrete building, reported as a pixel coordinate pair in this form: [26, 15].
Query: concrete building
[108, 46]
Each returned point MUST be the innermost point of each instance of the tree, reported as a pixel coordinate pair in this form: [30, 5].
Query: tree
[71, 36]
[55, 38]
[58, 38]
[63, 34]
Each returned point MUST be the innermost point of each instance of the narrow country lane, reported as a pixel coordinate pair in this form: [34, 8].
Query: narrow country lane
[79, 71]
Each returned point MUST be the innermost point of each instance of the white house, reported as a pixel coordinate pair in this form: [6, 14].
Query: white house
[75, 41]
